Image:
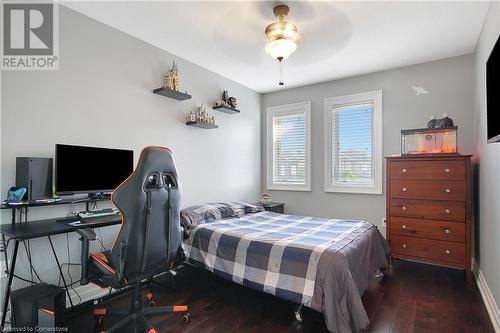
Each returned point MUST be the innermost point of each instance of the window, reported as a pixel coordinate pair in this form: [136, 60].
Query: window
[353, 143]
[288, 147]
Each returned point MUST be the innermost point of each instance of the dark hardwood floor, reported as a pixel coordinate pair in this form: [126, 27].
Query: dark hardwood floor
[412, 297]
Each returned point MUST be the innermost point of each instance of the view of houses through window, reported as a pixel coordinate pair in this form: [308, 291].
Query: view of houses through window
[352, 154]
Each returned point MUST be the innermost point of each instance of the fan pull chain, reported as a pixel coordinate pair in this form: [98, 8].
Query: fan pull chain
[280, 72]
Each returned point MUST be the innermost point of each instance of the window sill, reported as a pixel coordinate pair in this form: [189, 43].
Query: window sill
[354, 190]
[289, 188]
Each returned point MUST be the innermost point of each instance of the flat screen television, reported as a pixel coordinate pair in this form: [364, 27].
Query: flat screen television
[80, 169]
[493, 93]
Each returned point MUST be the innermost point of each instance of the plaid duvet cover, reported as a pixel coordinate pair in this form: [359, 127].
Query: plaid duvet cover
[270, 252]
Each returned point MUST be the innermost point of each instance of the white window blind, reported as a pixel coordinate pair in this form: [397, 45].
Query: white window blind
[353, 143]
[288, 145]
[289, 149]
[352, 135]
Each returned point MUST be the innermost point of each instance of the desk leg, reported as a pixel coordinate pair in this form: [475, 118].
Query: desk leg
[9, 284]
[60, 271]
[6, 257]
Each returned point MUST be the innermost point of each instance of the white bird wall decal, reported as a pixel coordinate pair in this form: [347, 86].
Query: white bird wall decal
[419, 90]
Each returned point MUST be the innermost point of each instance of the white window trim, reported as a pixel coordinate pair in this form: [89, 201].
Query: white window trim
[282, 110]
[374, 97]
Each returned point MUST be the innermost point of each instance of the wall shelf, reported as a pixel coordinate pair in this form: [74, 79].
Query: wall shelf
[172, 94]
[226, 109]
[201, 125]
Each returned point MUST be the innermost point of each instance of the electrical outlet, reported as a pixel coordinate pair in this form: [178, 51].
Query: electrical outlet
[384, 222]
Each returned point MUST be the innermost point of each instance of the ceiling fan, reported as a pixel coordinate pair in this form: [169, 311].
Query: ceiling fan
[281, 38]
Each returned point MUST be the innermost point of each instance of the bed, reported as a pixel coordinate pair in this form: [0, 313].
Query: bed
[321, 263]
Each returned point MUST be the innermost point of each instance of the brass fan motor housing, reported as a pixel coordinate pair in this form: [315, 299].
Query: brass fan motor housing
[282, 28]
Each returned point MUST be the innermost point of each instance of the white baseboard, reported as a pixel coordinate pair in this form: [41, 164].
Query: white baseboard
[488, 298]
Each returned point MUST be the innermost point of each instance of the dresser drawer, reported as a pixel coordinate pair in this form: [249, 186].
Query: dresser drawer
[429, 189]
[430, 170]
[429, 249]
[428, 209]
[440, 230]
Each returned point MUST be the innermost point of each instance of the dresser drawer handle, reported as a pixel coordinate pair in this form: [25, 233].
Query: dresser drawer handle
[447, 170]
[404, 189]
[447, 252]
[447, 211]
[447, 190]
[403, 226]
[447, 231]
[404, 246]
[404, 170]
[403, 208]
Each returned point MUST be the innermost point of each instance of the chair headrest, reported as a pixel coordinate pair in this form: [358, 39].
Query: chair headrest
[155, 169]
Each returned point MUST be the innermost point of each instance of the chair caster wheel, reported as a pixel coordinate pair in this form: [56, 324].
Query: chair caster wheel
[185, 318]
[298, 316]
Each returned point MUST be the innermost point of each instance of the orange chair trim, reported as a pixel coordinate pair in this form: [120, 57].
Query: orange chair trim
[100, 312]
[180, 308]
[102, 263]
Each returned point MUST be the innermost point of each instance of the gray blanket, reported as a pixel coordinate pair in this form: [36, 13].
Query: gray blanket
[322, 263]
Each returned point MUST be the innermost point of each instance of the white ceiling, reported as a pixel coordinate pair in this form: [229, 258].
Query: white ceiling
[339, 39]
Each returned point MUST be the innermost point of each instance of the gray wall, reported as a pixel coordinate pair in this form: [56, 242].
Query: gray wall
[487, 160]
[449, 82]
[102, 96]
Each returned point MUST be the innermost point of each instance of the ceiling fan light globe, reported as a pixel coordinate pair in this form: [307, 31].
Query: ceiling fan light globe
[281, 48]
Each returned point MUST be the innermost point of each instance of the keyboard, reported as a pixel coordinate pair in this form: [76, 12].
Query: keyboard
[98, 213]
[94, 218]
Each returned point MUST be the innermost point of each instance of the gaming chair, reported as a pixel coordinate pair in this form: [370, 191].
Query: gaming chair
[149, 240]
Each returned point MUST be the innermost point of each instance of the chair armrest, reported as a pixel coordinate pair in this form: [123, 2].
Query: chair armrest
[86, 235]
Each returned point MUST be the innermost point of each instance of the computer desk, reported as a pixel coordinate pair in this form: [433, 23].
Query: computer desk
[18, 232]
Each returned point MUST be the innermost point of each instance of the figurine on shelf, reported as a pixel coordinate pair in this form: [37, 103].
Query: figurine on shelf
[172, 78]
[232, 102]
[201, 116]
[191, 116]
[226, 101]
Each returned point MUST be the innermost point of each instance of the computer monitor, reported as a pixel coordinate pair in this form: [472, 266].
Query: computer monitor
[80, 169]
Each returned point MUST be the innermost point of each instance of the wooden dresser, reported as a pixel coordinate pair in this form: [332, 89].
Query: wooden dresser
[429, 209]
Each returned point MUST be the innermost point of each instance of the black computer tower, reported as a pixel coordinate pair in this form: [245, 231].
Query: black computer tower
[40, 305]
[35, 174]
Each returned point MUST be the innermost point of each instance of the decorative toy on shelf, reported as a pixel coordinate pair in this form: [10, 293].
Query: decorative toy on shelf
[226, 101]
[201, 116]
[171, 80]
